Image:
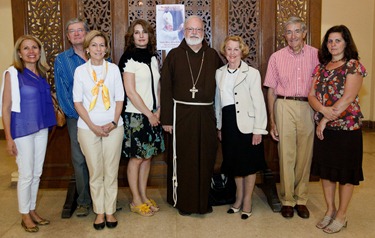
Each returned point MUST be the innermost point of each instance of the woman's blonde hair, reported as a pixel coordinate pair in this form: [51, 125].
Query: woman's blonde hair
[41, 66]
[243, 47]
[91, 35]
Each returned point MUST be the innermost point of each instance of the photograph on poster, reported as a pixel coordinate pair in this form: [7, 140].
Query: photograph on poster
[169, 25]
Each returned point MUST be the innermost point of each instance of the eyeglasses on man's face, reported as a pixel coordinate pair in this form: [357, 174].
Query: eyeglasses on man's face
[191, 29]
[295, 32]
[79, 31]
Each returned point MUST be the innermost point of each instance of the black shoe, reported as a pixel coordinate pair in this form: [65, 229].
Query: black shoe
[287, 211]
[245, 215]
[111, 224]
[99, 226]
[233, 210]
[302, 211]
[182, 213]
[209, 210]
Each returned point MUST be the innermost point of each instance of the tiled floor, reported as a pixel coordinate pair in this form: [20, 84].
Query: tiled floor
[168, 223]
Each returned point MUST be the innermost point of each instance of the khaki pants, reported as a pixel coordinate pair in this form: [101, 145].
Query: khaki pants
[102, 157]
[294, 120]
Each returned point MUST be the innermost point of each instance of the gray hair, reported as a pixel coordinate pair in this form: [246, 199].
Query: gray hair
[191, 17]
[295, 20]
[77, 20]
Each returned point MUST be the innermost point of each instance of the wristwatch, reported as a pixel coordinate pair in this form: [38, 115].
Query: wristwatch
[114, 123]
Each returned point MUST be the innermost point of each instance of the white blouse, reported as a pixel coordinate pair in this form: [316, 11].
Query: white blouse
[227, 96]
[143, 82]
[82, 86]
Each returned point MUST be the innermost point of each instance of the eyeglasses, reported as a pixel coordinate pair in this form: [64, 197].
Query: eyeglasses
[80, 30]
[296, 32]
[190, 29]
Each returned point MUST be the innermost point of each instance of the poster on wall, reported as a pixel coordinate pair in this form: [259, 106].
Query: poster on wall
[169, 25]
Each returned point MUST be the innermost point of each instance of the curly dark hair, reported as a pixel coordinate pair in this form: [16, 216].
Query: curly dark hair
[129, 38]
[350, 51]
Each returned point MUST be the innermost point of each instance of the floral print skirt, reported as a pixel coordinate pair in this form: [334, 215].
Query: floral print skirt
[141, 140]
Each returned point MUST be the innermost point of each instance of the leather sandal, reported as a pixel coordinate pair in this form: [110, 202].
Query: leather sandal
[335, 226]
[143, 209]
[324, 222]
[152, 204]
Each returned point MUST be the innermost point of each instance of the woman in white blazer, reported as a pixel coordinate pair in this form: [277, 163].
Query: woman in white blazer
[241, 121]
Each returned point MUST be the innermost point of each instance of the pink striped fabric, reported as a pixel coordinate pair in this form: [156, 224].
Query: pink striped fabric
[290, 74]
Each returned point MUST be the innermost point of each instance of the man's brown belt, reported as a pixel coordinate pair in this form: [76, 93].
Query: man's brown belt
[304, 99]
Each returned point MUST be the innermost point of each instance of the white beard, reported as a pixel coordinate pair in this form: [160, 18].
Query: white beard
[194, 41]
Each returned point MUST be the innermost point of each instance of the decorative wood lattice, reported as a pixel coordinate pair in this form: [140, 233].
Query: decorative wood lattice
[97, 14]
[243, 20]
[286, 9]
[146, 11]
[44, 22]
[200, 8]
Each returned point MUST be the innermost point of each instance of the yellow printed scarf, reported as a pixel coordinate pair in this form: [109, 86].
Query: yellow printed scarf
[99, 84]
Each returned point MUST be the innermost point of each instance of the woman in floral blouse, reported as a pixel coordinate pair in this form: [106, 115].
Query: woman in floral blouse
[338, 141]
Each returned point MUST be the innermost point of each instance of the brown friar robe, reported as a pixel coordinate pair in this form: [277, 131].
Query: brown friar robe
[196, 137]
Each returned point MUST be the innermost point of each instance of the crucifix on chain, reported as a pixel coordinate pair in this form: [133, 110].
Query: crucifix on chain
[193, 91]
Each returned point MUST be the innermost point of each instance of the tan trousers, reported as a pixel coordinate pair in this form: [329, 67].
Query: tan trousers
[294, 121]
[102, 158]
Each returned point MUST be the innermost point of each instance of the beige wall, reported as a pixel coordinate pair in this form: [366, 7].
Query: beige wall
[6, 38]
[358, 16]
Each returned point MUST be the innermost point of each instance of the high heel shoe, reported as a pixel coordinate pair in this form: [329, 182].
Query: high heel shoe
[245, 215]
[232, 210]
[143, 209]
[152, 204]
[335, 226]
[29, 229]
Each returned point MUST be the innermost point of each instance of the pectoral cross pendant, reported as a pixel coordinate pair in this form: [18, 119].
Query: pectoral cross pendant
[193, 91]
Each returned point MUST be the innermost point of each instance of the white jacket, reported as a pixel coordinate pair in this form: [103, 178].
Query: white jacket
[249, 100]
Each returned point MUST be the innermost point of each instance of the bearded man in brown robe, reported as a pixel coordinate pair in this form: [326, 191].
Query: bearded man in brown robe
[187, 94]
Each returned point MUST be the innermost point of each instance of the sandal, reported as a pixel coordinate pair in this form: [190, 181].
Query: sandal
[152, 204]
[335, 226]
[324, 222]
[143, 209]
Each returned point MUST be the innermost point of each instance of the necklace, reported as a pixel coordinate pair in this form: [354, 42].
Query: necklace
[335, 61]
[232, 72]
[193, 90]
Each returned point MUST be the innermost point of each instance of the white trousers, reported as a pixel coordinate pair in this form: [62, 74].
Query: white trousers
[30, 158]
[102, 158]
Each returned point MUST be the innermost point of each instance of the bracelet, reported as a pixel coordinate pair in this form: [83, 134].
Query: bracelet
[114, 123]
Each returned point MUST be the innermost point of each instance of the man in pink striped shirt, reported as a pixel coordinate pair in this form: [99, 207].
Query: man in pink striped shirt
[289, 80]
